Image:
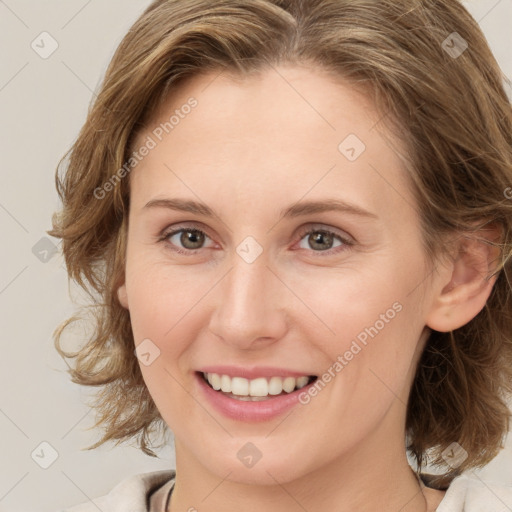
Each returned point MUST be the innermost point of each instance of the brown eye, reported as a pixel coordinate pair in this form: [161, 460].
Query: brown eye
[185, 240]
[320, 240]
[192, 238]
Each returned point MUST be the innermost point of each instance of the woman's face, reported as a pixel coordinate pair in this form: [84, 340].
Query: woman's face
[246, 293]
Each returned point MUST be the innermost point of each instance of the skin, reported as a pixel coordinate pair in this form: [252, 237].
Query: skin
[250, 148]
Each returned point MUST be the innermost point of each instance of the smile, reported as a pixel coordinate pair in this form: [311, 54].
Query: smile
[261, 388]
[253, 397]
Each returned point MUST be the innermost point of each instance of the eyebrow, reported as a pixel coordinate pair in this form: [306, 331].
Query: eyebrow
[296, 210]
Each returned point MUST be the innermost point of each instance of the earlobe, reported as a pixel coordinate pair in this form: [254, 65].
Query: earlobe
[123, 296]
[468, 288]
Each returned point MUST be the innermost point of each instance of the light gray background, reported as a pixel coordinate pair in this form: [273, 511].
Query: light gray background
[43, 103]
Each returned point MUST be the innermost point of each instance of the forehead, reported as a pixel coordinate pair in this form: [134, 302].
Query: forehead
[290, 130]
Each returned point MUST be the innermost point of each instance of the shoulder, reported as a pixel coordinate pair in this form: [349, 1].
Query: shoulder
[469, 493]
[130, 495]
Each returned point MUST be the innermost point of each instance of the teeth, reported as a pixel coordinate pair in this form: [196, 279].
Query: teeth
[240, 386]
[260, 387]
[216, 381]
[225, 382]
[275, 386]
[257, 387]
[289, 384]
[302, 381]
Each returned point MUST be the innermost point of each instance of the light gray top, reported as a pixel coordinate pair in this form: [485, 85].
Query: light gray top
[150, 492]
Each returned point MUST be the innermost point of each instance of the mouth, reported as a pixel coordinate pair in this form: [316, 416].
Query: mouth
[255, 390]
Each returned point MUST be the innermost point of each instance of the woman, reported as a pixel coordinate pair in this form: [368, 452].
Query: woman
[295, 214]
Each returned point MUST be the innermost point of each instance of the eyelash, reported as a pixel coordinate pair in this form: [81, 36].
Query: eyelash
[166, 234]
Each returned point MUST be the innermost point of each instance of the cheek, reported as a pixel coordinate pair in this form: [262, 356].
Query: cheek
[165, 309]
[375, 323]
[159, 298]
[351, 305]
[162, 310]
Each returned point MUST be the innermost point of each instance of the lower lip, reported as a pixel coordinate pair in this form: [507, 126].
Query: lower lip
[242, 410]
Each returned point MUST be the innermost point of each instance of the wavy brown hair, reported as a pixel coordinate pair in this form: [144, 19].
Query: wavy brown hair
[451, 112]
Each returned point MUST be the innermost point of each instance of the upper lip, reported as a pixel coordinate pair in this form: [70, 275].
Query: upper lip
[253, 372]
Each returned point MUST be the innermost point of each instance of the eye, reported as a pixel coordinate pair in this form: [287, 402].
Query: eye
[322, 240]
[190, 238]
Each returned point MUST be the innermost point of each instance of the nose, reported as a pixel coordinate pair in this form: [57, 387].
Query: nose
[249, 312]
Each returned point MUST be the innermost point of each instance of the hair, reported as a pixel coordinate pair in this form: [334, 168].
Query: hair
[452, 114]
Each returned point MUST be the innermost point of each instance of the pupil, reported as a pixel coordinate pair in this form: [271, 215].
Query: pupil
[191, 236]
[315, 238]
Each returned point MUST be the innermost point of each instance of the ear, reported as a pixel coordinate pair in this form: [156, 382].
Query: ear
[465, 283]
[123, 296]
